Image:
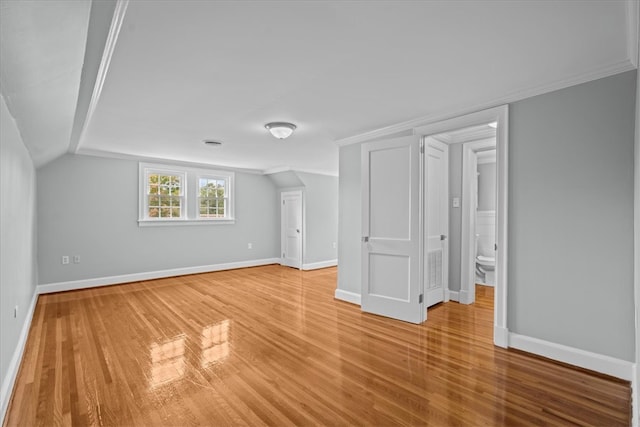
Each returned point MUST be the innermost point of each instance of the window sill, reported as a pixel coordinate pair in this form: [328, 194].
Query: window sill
[183, 222]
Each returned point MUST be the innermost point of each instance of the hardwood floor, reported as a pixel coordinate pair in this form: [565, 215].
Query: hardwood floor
[270, 345]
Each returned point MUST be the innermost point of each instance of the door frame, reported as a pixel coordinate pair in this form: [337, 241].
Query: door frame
[500, 115]
[284, 194]
[468, 206]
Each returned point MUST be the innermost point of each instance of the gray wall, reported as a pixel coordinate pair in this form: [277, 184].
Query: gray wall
[455, 216]
[487, 187]
[18, 238]
[321, 216]
[349, 220]
[570, 217]
[88, 206]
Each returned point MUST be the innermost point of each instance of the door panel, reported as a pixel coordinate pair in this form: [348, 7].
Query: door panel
[437, 220]
[391, 229]
[291, 228]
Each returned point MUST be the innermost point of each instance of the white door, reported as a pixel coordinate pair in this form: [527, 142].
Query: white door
[436, 220]
[291, 228]
[391, 234]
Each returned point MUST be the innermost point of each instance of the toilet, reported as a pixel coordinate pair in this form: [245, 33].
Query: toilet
[486, 266]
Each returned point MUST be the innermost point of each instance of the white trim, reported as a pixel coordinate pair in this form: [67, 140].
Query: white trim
[633, 30]
[109, 48]
[585, 359]
[320, 264]
[465, 297]
[517, 95]
[171, 162]
[454, 296]
[150, 275]
[501, 336]
[635, 395]
[16, 359]
[173, 222]
[279, 169]
[347, 296]
[501, 116]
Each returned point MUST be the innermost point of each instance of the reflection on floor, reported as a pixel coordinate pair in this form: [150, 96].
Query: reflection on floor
[270, 345]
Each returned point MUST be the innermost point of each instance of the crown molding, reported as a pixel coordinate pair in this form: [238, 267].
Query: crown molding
[110, 45]
[122, 156]
[517, 95]
[277, 169]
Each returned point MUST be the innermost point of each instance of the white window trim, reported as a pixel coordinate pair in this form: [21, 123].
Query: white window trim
[189, 210]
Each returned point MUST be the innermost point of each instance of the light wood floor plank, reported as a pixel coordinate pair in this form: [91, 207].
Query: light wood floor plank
[270, 346]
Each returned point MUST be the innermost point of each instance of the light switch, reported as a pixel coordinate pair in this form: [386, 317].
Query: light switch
[456, 202]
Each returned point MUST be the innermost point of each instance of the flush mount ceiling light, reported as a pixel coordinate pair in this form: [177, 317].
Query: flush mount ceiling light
[280, 130]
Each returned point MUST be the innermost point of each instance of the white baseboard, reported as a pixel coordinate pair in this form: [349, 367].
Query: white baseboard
[14, 364]
[321, 264]
[465, 297]
[347, 296]
[501, 336]
[585, 359]
[635, 397]
[454, 296]
[135, 277]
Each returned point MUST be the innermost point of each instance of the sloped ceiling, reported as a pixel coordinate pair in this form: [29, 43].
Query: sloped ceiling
[185, 71]
[42, 47]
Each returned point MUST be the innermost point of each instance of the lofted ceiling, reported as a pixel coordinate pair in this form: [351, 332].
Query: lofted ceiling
[180, 72]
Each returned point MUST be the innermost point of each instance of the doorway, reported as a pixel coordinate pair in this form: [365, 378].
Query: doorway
[291, 228]
[498, 118]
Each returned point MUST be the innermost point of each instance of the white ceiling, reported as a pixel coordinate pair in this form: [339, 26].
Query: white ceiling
[184, 71]
[41, 49]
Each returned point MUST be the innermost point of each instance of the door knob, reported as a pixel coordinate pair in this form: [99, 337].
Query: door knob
[297, 230]
[443, 237]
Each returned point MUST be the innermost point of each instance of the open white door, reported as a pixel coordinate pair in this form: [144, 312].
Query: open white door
[291, 228]
[391, 231]
[436, 221]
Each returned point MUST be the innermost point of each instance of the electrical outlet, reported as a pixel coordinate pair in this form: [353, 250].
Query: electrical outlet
[334, 245]
[15, 312]
[65, 259]
[250, 246]
[76, 259]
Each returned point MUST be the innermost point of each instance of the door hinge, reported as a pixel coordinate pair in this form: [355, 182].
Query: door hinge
[420, 298]
[495, 246]
[282, 254]
[283, 202]
[422, 147]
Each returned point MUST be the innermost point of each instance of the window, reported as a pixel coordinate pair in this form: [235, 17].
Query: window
[213, 197]
[177, 195]
[164, 194]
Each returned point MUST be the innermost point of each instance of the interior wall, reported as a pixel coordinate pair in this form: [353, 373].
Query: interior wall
[571, 216]
[487, 186]
[18, 275]
[88, 206]
[455, 216]
[321, 216]
[349, 220]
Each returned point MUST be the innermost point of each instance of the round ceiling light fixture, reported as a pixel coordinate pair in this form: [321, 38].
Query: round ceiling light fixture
[280, 130]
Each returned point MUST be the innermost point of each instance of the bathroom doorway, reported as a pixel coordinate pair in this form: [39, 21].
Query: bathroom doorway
[475, 140]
